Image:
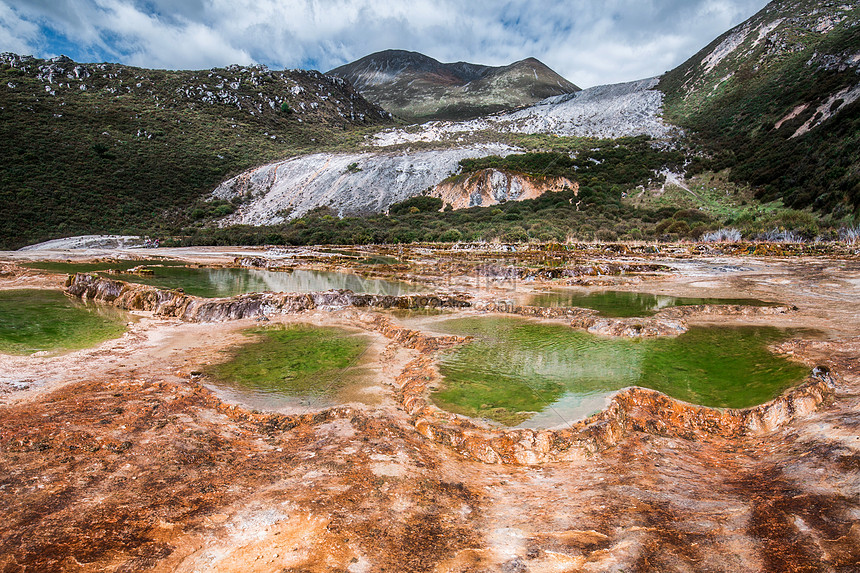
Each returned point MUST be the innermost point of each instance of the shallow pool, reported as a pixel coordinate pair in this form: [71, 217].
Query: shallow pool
[46, 320]
[621, 304]
[525, 373]
[295, 366]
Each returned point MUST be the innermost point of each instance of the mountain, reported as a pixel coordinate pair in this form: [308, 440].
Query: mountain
[777, 99]
[101, 148]
[418, 88]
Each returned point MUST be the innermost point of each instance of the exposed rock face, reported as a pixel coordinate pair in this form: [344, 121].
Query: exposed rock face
[610, 111]
[288, 189]
[88, 242]
[763, 42]
[492, 186]
[177, 304]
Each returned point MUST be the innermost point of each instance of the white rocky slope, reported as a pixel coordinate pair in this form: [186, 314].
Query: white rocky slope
[88, 242]
[287, 189]
[290, 188]
[609, 111]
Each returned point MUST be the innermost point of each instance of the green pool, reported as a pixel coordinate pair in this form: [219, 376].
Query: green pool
[621, 304]
[295, 365]
[524, 373]
[45, 320]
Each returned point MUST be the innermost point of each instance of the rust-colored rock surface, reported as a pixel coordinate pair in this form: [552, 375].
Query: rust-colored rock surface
[119, 458]
[493, 186]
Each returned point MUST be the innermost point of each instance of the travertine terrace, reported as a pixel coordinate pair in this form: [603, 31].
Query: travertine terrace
[121, 458]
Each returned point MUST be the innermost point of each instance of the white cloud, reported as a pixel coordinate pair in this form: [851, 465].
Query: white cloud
[588, 42]
[19, 35]
[149, 42]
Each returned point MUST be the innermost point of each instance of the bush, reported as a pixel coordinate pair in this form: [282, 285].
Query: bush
[451, 236]
[850, 234]
[606, 235]
[780, 236]
[722, 236]
[681, 228]
[515, 234]
[421, 203]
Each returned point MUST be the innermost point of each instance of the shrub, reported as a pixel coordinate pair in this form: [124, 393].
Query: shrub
[850, 234]
[682, 228]
[421, 203]
[780, 236]
[515, 234]
[451, 236]
[224, 210]
[606, 235]
[722, 236]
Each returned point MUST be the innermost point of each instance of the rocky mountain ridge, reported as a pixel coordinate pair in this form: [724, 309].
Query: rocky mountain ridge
[254, 90]
[416, 87]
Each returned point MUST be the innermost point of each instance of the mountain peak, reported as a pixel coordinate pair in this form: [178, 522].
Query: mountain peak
[417, 87]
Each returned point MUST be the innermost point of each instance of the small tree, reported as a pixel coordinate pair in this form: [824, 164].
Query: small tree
[286, 109]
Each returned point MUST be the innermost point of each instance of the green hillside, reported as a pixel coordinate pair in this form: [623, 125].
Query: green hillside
[776, 100]
[106, 148]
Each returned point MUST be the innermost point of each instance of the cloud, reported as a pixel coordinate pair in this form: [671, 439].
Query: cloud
[147, 41]
[19, 35]
[587, 42]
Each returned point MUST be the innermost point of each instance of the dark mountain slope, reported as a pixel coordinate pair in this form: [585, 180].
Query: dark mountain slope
[100, 148]
[416, 87]
[777, 98]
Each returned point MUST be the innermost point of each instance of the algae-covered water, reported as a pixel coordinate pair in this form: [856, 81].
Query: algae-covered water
[45, 320]
[522, 372]
[295, 365]
[620, 304]
[225, 282]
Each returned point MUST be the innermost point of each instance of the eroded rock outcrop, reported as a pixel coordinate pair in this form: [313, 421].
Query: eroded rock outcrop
[177, 304]
[493, 186]
[666, 322]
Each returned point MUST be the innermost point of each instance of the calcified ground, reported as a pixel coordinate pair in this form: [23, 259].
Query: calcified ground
[118, 458]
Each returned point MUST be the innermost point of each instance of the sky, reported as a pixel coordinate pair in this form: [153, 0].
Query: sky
[589, 42]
